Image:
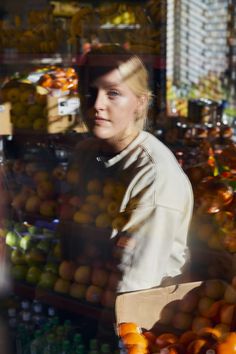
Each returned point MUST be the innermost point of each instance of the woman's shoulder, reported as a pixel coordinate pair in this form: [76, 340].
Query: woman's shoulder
[171, 181]
[158, 153]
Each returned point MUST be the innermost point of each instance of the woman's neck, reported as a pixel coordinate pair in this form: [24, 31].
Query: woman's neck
[116, 145]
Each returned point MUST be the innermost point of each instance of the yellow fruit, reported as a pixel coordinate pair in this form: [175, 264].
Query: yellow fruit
[214, 288]
[103, 203]
[109, 190]
[48, 208]
[41, 99]
[23, 122]
[40, 124]
[94, 186]
[82, 218]
[25, 97]
[89, 208]
[18, 109]
[62, 286]
[214, 243]
[93, 199]
[35, 111]
[103, 220]
[72, 175]
[117, 20]
[119, 191]
[113, 208]
[13, 94]
[78, 291]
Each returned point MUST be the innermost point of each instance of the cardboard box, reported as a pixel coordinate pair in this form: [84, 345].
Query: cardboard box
[5, 119]
[63, 114]
[144, 307]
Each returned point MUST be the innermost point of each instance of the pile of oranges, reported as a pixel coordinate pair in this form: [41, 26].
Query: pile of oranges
[64, 79]
[205, 341]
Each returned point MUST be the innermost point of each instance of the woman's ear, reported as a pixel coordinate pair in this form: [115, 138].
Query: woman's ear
[141, 110]
[142, 105]
[142, 102]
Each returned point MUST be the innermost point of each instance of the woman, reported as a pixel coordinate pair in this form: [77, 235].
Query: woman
[154, 196]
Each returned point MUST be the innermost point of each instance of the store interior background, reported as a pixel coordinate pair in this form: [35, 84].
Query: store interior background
[200, 50]
[193, 74]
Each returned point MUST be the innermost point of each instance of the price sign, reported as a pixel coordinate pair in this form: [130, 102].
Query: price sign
[67, 106]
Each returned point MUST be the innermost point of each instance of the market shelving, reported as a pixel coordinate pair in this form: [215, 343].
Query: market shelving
[61, 302]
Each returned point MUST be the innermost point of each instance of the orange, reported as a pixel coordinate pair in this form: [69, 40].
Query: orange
[209, 333]
[135, 349]
[197, 346]
[187, 337]
[127, 327]
[138, 339]
[165, 339]
[223, 328]
[175, 349]
[150, 336]
[228, 346]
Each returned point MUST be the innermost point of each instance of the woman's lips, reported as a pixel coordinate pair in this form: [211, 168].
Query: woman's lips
[100, 120]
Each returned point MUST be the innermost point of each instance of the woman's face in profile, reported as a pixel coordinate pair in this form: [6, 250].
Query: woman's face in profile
[111, 107]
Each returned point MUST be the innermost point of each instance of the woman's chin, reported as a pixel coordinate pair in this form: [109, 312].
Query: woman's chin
[100, 133]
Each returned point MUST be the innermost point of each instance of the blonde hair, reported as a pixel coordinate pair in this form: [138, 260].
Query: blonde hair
[135, 76]
[130, 66]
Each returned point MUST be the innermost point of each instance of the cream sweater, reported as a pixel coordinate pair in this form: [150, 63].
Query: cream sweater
[157, 203]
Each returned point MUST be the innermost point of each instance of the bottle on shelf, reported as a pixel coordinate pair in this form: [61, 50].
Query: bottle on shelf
[50, 347]
[36, 345]
[24, 305]
[26, 320]
[93, 344]
[12, 318]
[77, 340]
[105, 349]
[59, 337]
[51, 312]
[67, 328]
[80, 349]
[54, 323]
[19, 339]
[38, 316]
[66, 347]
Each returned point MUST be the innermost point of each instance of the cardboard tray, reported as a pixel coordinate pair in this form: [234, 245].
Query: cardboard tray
[144, 307]
[5, 119]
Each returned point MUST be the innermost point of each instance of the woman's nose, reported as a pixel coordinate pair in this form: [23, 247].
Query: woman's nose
[100, 100]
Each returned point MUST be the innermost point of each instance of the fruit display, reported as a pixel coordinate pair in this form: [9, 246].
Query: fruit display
[29, 96]
[40, 33]
[56, 78]
[141, 29]
[36, 258]
[212, 231]
[202, 321]
[48, 31]
[39, 254]
[209, 87]
[28, 107]
[34, 326]
[34, 253]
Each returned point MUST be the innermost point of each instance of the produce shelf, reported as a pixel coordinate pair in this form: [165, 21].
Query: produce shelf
[213, 263]
[62, 302]
[152, 59]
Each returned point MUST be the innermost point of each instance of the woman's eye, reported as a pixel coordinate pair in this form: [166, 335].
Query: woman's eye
[113, 93]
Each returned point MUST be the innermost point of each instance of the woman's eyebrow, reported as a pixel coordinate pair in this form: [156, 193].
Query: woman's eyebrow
[106, 84]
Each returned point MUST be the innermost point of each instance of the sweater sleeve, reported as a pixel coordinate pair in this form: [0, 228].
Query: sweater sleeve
[154, 237]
